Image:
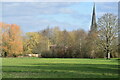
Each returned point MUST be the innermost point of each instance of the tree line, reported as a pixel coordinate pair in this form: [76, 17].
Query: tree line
[56, 43]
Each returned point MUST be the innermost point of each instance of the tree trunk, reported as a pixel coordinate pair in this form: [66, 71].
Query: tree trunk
[109, 55]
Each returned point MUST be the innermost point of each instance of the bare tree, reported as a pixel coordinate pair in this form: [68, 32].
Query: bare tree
[107, 28]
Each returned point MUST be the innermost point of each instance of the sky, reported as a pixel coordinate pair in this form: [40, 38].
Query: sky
[36, 16]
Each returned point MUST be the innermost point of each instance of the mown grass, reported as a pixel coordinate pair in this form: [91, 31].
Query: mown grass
[59, 68]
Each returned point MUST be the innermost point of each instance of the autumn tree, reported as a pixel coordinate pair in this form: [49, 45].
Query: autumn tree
[91, 44]
[42, 45]
[31, 41]
[55, 35]
[4, 40]
[1, 39]
[79, 41]
[11, 40]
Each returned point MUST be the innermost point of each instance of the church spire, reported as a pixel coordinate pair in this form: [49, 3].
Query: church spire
[93, 23]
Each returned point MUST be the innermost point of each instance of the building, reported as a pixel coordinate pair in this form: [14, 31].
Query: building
[93, 27]
[93, 35]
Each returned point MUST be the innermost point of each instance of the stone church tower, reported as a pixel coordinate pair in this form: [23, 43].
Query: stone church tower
[93, 35]
[93, 27]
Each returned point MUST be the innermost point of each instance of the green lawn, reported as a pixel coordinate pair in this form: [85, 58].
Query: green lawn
[59, 68]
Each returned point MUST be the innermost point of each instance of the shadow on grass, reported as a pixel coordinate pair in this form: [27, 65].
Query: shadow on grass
[64, 70]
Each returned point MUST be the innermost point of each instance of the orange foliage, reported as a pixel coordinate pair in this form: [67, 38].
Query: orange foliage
[11, 39]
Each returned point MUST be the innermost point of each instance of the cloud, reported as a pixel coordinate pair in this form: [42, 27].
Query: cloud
[33, 16]
[31, 9]
[106, 7]
[29, 23]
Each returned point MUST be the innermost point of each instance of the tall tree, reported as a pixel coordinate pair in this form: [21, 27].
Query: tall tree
[80, 36]
[11, 40]
[108, 32]
[35, 43]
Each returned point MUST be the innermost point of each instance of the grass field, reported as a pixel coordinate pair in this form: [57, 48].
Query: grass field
[59, 68]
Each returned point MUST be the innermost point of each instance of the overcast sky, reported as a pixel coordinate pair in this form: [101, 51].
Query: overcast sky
[35, 16]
